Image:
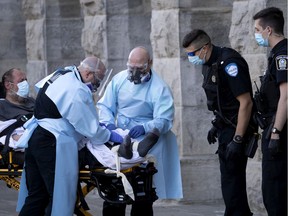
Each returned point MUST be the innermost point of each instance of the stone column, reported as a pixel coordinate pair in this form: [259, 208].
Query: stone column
[12, 37]
[94, 33]
[34, 12]
[169, 22]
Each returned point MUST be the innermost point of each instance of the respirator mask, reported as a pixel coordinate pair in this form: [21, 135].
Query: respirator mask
[138, 75]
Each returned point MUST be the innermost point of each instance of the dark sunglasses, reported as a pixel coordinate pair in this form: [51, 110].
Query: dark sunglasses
[193, 53]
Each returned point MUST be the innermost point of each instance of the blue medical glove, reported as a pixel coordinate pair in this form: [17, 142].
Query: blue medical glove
[136, 131]
[111, 127]
[115, 137]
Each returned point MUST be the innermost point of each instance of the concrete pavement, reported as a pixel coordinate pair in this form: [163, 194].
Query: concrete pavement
[8, 200]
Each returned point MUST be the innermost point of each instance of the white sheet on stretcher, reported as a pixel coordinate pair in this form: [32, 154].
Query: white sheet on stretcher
[18, 131]
[108, 158]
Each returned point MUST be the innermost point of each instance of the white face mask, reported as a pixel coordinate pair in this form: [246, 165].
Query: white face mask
[23, 89]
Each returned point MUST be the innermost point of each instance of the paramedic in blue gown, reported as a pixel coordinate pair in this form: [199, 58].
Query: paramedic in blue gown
[64, 113]
[137, 99]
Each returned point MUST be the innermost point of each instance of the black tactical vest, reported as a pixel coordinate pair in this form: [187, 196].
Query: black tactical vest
[213, 85]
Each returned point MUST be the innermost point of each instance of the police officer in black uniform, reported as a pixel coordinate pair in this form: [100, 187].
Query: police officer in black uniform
[227, 85]
[272, 105]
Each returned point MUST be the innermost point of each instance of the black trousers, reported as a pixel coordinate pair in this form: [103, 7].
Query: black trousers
[274, 176]
[40, 157]
[233, 177]
[138, 209]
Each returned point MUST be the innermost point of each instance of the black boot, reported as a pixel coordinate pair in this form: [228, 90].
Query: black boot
[148, 142]
[125, 149]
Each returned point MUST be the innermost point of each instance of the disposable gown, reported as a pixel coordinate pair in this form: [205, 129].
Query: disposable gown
[149, 104]
[79, 118]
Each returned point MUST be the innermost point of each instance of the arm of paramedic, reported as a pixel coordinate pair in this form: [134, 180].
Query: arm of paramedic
[163, 113]
[107, 105]
[82, 114]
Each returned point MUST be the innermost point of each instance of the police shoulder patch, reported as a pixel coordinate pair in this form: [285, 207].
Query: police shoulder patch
[281, 62]
[231, 69]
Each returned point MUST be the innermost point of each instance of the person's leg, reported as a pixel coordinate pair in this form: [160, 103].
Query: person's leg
[233, 179]
[143, 208]
[274, 177]
[113, 209]
[40, 157]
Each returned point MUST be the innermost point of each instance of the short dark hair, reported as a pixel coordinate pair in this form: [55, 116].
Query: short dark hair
[7, 77]
[272, 17]
[196, 36]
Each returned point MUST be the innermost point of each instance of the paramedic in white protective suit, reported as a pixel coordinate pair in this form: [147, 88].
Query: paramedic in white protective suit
[64, 113]
[139, 100]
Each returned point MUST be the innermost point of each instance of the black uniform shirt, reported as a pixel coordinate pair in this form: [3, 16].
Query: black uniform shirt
[278, 67]
[234, 75]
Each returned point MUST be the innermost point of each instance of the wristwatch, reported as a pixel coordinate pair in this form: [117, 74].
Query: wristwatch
[238, 139]
[275, 130]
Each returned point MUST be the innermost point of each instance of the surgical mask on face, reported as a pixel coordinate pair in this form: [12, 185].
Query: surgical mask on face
[261, 41]
[23, 89]
[137, 76]
[196, 60]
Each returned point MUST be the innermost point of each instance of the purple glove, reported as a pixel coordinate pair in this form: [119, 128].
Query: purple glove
[111, 127]
[136, 131]
[115, 137]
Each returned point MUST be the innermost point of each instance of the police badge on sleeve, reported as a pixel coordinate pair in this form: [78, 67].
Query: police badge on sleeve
[281, 62]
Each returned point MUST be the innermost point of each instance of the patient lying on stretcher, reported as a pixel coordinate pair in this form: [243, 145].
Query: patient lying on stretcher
[130, 152]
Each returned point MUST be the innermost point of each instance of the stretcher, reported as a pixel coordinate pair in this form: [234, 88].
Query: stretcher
[109, 186]
[107, 182]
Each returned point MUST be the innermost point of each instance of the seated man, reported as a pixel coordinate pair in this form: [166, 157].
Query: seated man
[16, 90]
[14, 103]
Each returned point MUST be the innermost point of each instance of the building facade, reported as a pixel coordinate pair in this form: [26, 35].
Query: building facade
[40, 36]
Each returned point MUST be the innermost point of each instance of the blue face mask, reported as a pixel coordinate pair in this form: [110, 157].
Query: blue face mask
[196, 60]
[23, 89]
[261, 41]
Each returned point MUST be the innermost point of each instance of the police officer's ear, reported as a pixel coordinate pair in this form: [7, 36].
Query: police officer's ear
[205, 48]
[269, 30]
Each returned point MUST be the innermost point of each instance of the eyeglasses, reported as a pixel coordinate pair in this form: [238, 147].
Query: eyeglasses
[141, 68]
[193, 53]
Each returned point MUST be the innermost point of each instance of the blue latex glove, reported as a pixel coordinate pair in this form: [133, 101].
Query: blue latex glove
[115, 137]
[111, 127]
[136, 131]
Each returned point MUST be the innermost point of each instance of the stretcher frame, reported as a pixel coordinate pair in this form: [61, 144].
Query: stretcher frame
[97, 179]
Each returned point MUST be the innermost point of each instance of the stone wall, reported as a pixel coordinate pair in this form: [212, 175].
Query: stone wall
[42, 35]
[12, 36]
